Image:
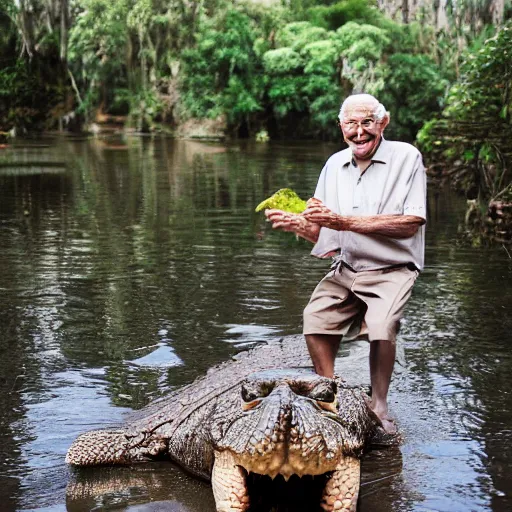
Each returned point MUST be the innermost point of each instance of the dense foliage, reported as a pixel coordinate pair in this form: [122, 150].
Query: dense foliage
[280, 69]
[470, 145]
[222, 75]
[473, 137]
[32, 79]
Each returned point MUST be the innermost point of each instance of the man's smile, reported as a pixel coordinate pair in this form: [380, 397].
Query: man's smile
[363, 145]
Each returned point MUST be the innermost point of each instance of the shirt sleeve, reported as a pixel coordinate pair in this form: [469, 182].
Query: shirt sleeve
[416, 198]
[321, 185]
[328, 239]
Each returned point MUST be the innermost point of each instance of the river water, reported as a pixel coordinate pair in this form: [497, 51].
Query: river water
[129, 266]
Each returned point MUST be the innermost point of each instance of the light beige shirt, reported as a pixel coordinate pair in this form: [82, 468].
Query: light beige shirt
[394, 183]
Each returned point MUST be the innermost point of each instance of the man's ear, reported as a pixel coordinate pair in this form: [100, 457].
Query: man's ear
[341, 131]
[385, 121]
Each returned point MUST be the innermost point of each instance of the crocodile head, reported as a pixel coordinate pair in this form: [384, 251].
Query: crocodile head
[294, 422]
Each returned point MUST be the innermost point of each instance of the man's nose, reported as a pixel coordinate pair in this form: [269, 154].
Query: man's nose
[359, 130]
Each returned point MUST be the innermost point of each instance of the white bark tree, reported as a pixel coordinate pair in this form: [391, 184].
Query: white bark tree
[440, 13]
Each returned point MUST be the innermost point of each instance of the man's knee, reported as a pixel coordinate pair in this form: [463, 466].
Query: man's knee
[386, 330]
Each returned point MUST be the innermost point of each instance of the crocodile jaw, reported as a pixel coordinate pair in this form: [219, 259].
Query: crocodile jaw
[229, 484]
[232, 495]
[287, 460]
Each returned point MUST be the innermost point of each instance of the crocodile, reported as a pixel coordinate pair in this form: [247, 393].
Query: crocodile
[265, 413]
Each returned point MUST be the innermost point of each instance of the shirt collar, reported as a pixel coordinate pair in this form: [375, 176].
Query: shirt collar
[381, 155]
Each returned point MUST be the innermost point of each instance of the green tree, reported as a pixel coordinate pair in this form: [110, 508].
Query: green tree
[473, 136]
[34, 85]
[412, 89]
[334, 15]
[98, 48]
[316, 68]
[221, 74]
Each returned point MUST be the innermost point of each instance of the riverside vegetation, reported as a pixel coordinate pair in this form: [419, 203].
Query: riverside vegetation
[258, 70]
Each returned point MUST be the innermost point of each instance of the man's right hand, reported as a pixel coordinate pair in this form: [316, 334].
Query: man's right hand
[294, 223]
[285, 221]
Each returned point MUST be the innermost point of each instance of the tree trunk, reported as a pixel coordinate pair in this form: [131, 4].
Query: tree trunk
[497, 11]
[64, 29]
[405, 11]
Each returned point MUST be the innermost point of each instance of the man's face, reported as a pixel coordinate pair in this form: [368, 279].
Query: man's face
[361, 130]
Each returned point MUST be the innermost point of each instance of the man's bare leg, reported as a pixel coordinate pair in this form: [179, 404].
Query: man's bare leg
[323, 349]
[382, 361]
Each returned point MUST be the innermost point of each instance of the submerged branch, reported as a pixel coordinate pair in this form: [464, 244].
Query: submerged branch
[75, 88]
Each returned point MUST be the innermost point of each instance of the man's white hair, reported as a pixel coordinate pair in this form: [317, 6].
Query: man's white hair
[379, 112]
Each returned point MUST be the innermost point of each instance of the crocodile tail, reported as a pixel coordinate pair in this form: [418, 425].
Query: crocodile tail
[100, 447]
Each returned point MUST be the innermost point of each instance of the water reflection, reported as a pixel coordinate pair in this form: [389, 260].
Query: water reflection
[131, 265]
[138, 489]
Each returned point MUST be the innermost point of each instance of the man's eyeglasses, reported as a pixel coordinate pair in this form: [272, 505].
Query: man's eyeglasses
[369, 122]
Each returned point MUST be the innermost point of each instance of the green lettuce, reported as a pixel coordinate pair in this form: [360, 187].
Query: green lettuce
[284, 199]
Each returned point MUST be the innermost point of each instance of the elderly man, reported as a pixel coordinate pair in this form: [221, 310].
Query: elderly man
[368, 212]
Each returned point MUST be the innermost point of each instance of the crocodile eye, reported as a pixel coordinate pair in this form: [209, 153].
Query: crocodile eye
[248, 395]
[324, 392]
[253, 391]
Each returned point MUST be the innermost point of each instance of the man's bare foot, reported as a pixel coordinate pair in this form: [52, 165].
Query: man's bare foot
[388, 423]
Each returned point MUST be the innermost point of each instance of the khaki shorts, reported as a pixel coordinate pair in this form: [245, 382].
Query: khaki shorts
[369, 302]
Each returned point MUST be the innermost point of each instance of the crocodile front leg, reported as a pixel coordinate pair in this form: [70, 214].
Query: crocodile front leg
[229, 485]
[340, 493]
[101, 447]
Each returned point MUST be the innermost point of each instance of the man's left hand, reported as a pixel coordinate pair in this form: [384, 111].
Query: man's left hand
[318, 213]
